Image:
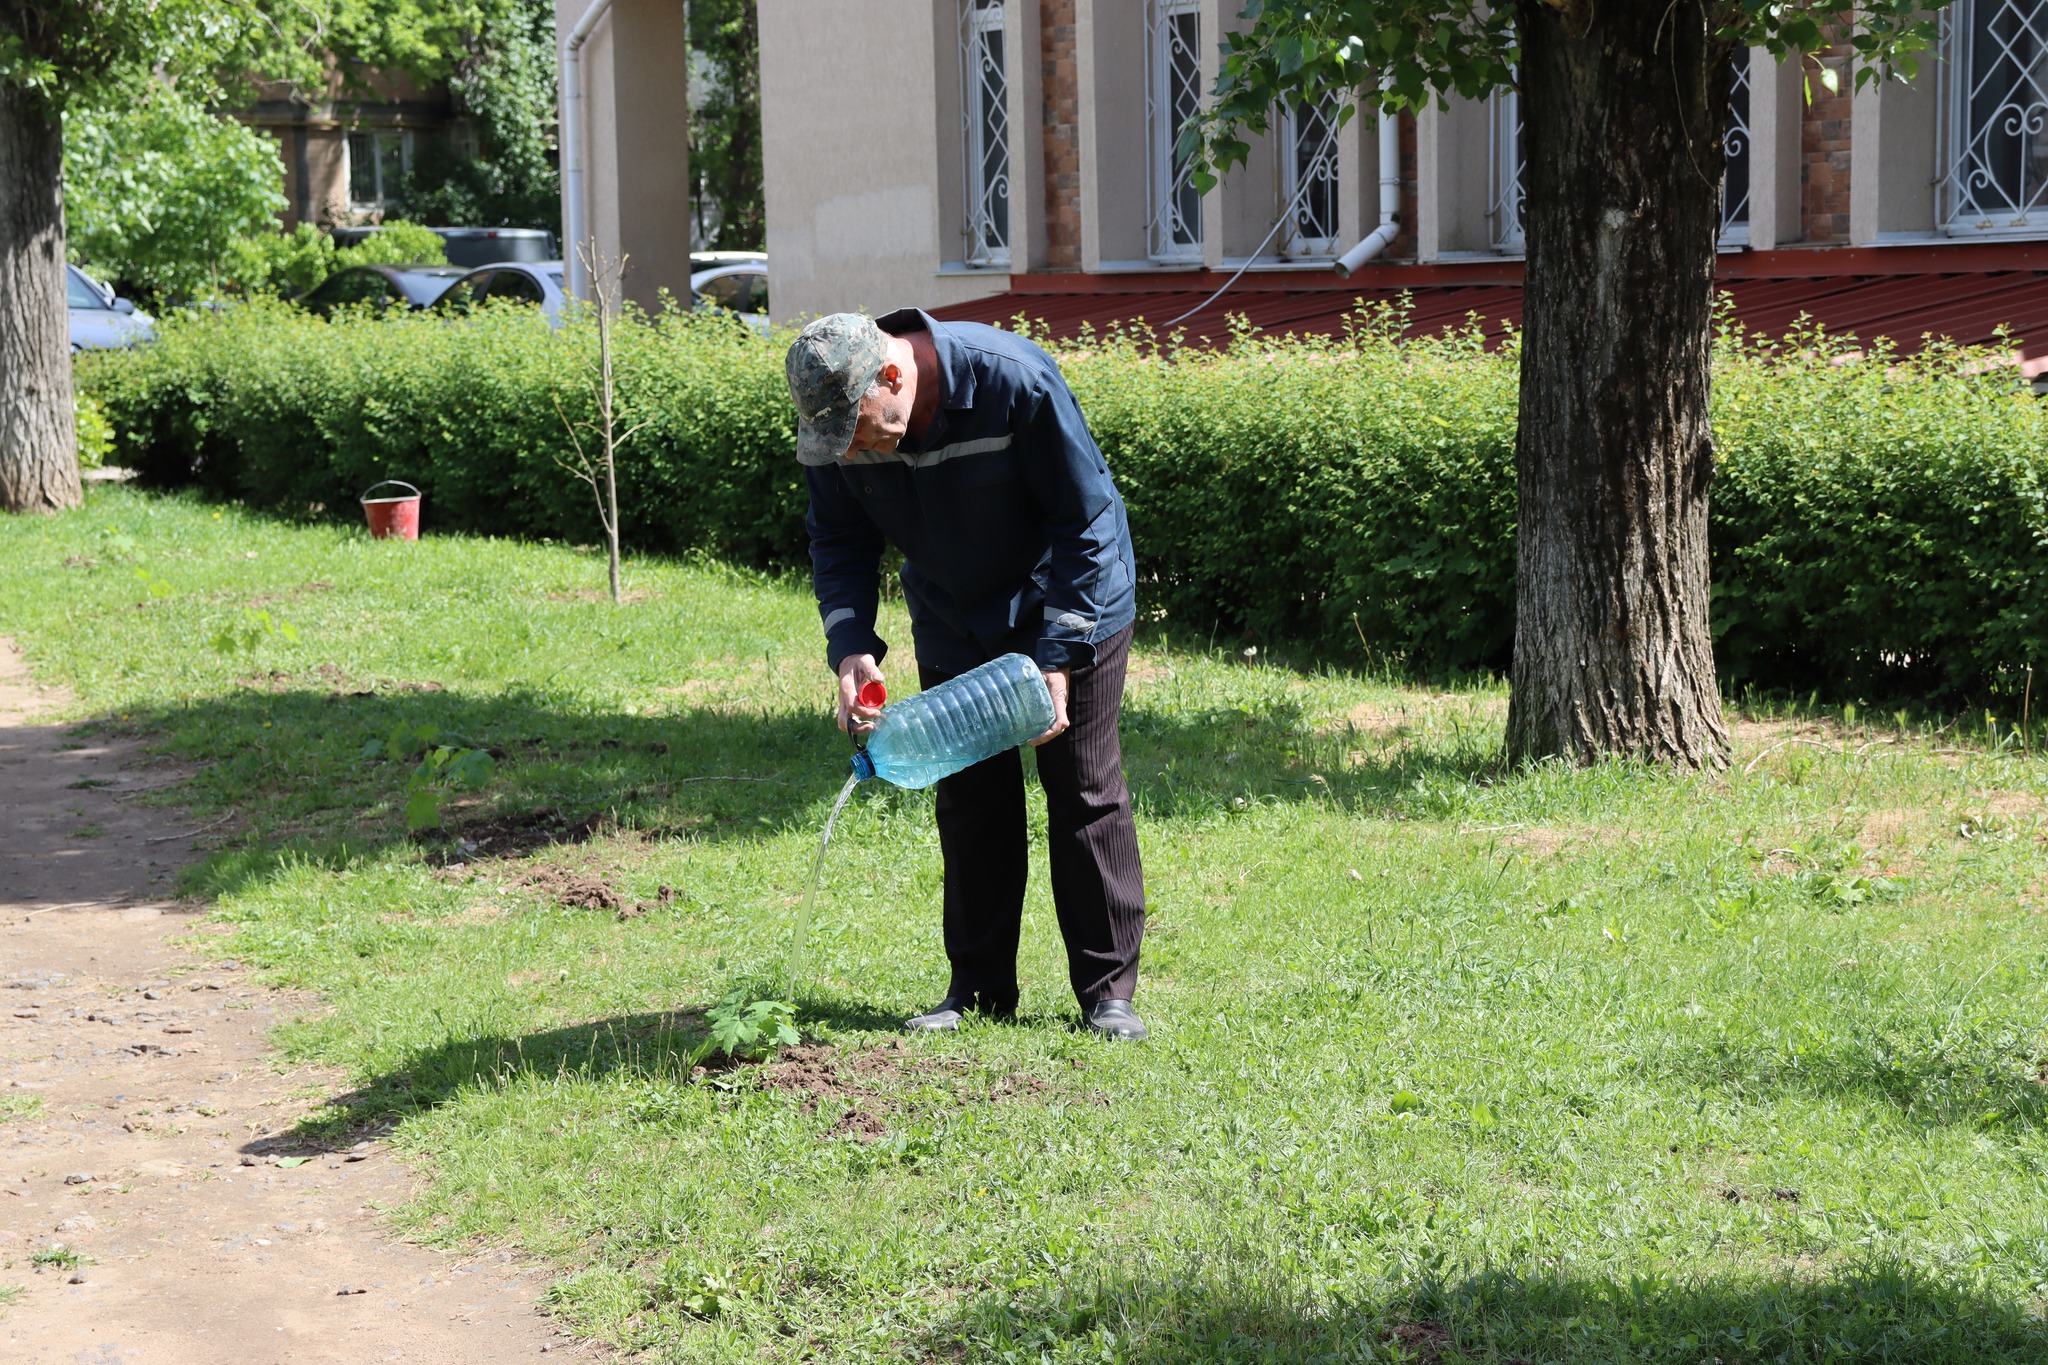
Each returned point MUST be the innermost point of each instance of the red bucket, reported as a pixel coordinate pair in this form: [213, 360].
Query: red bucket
[389, 517]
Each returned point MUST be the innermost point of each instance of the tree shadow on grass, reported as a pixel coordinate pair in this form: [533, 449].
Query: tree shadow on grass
[1936, 1080]
[658, 1047]
[302, 774]
[1223, 1311]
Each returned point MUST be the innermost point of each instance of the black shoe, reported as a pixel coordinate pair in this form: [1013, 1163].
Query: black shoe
[945, 1016]
[1116, 1021]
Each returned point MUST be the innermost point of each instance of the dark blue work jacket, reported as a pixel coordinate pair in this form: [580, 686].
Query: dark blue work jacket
[1013, 536]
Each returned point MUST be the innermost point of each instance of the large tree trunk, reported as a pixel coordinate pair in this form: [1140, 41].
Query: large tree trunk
[1623, 103]
[38, 432]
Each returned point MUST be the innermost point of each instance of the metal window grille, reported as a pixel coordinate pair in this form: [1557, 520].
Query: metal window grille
[1736, 141]
[362, 168]
[1510, 148]
[1506, 193]
[1994, 114]
[376, 161]
[1308, 168]
[985, 120]
[1173, 93]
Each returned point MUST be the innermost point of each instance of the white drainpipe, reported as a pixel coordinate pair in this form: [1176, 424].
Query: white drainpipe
[573, 228]
[1381, 237]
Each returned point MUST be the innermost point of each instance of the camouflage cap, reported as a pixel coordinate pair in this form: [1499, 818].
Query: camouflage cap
[830, 365]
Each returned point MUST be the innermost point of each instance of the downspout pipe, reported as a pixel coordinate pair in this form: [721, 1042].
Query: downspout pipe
[573, 226]
[1380, 238]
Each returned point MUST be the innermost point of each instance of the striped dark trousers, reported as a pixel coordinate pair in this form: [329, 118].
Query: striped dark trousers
[1098, 887]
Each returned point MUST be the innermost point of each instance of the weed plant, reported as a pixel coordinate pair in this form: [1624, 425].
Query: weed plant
[1450, 1061]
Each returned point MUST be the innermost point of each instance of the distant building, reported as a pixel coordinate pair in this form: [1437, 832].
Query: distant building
[992, 156]
[344, 155]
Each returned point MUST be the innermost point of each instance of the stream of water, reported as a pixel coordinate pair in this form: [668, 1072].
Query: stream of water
[803, 915]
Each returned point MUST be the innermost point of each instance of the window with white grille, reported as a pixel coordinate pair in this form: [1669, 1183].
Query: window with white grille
[1994, 114]
[1504, 165]
[1508, 149]
[985, 118]
[1735, 188]
[1308, 171]
[1173, 93]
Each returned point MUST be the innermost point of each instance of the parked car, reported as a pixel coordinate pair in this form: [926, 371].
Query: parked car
[472, 247]
[538, 283]
[711, 260]
[740, 288]
[100, 318]
[383, 287]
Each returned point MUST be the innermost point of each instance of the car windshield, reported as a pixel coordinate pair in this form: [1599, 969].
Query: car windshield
[423, 287]
[79, 294]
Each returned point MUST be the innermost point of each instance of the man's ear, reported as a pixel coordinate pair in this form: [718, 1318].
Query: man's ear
[891, 374]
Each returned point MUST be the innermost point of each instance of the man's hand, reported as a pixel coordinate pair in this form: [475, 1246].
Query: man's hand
[1055, 683]
[855, 670]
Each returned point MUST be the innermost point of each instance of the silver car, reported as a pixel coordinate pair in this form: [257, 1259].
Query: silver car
[741, 287]
[532, 282]
[100, 319]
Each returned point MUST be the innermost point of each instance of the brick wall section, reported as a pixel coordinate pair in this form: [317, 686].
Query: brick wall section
[1824, 157]
[1062, 135]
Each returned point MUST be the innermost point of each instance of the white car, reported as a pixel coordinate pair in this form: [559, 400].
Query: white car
[101, 320]
[741, 288]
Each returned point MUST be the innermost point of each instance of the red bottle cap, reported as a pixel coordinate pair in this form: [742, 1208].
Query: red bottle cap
[872, 696]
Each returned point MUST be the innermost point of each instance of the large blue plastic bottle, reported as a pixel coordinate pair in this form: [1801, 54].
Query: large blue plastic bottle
[957, 724]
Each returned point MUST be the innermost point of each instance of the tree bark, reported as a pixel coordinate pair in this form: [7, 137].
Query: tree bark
[1624, 105]
[38, 430]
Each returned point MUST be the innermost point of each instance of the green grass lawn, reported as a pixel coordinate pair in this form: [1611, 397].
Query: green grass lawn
[1449, 1062]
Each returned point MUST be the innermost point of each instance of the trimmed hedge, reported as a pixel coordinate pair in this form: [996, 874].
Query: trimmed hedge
[1880, 524]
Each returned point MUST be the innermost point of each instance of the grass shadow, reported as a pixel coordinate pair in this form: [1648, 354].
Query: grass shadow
[302, 774]
[1211, 1309]
[653, 1046]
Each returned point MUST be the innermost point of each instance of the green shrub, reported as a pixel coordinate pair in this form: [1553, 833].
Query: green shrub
[1879, 524]
[289, 263]
[284, 263]
[95, 432]
[396, 243]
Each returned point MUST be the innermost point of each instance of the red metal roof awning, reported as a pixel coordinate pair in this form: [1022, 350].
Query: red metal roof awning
[1963, 291]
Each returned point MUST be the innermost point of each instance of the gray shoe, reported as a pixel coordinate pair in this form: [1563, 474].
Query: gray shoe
[1116, 1021]
[946, 1016]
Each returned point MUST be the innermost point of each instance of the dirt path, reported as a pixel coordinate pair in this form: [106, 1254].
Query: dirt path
[141, 1114]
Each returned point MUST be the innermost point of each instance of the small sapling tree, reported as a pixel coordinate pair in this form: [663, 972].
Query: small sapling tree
[597, 463]
[746, 1029]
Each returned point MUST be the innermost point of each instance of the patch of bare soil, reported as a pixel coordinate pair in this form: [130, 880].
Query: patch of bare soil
[870, 1083]
[1545, 841]
[1423, 1342]
[576, 890]
[626, 598]
[291, 594]
[515, 836]
[146, 1126]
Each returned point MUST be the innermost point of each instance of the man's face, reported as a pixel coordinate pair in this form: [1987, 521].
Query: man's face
[884, 414]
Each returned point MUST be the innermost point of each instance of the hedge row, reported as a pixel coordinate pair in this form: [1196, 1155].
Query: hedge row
[1880, 525]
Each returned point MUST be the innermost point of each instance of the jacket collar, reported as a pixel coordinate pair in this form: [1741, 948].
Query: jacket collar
[956, 376]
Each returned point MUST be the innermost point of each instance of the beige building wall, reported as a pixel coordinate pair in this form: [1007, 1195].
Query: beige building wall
[851, 158]
[636, 167]
[863, 135]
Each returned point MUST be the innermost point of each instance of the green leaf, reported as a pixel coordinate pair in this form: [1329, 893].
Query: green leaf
[290, 1161]
[1290, 52]
[423, 809]
[1404, 1102]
